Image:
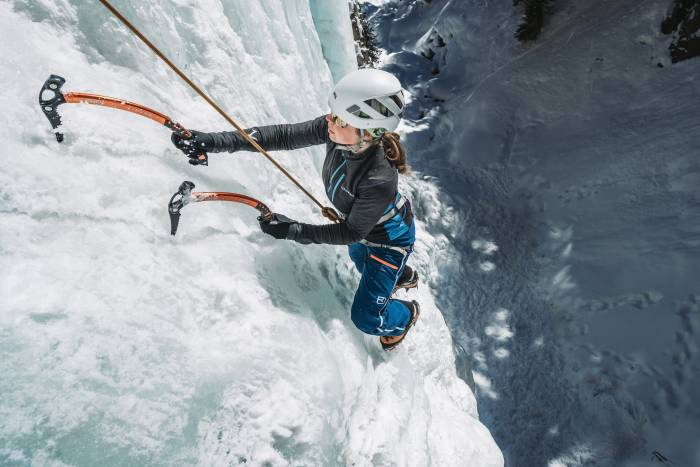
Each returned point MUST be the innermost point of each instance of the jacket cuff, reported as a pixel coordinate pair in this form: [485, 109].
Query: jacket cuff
[227, 141]
[296, 233]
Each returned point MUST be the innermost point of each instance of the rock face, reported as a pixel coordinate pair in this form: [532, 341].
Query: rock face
[576, 157]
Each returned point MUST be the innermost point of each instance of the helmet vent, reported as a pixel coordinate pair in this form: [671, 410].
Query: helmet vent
[397, 101]
[379, 107]
[355, 110]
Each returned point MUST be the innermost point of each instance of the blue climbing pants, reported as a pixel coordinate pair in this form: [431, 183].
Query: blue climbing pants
[373, 311]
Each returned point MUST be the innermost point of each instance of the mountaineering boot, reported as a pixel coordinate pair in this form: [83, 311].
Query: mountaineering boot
[408, 279]
[390, 342]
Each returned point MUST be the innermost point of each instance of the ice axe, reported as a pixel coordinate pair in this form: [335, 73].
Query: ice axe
[185, 196]
[51, 97]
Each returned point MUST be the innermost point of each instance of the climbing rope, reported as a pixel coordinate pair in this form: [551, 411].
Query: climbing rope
[327, 212]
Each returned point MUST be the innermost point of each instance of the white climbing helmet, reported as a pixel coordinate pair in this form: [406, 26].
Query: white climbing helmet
[368, 98]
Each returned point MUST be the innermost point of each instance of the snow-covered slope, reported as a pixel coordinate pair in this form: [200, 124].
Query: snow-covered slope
[122, 345]
[572, 168]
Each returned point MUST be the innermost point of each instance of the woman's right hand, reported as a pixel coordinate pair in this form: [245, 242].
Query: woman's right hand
[199, 143]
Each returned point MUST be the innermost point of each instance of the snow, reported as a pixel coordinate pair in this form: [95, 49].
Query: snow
[576, 158]
[122, 345]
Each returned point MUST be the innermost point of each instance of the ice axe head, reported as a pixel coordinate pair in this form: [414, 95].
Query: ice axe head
[177, 202]
[50, 97]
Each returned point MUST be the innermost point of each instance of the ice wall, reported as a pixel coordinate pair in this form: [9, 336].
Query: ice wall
[122, 345]
[335, 33]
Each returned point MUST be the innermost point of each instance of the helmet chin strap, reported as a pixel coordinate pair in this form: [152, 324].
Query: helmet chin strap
[355, 148]
[362, 144]
[375, 133]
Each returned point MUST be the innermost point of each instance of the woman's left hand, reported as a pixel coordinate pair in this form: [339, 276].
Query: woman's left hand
[278, 227]
[199, 142]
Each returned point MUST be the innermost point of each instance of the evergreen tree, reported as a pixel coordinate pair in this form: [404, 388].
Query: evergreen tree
[683, 21]
[366, 48]
[536, 12]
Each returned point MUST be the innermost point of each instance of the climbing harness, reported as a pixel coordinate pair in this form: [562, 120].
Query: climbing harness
[393, 210]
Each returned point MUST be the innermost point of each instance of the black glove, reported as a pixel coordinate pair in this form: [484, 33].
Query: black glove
[199, 143]
[278, 227]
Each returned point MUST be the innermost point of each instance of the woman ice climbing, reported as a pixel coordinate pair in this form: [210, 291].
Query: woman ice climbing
[360, 174]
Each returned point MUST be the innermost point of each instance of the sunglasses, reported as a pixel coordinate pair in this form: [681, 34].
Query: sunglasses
[338, 121]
